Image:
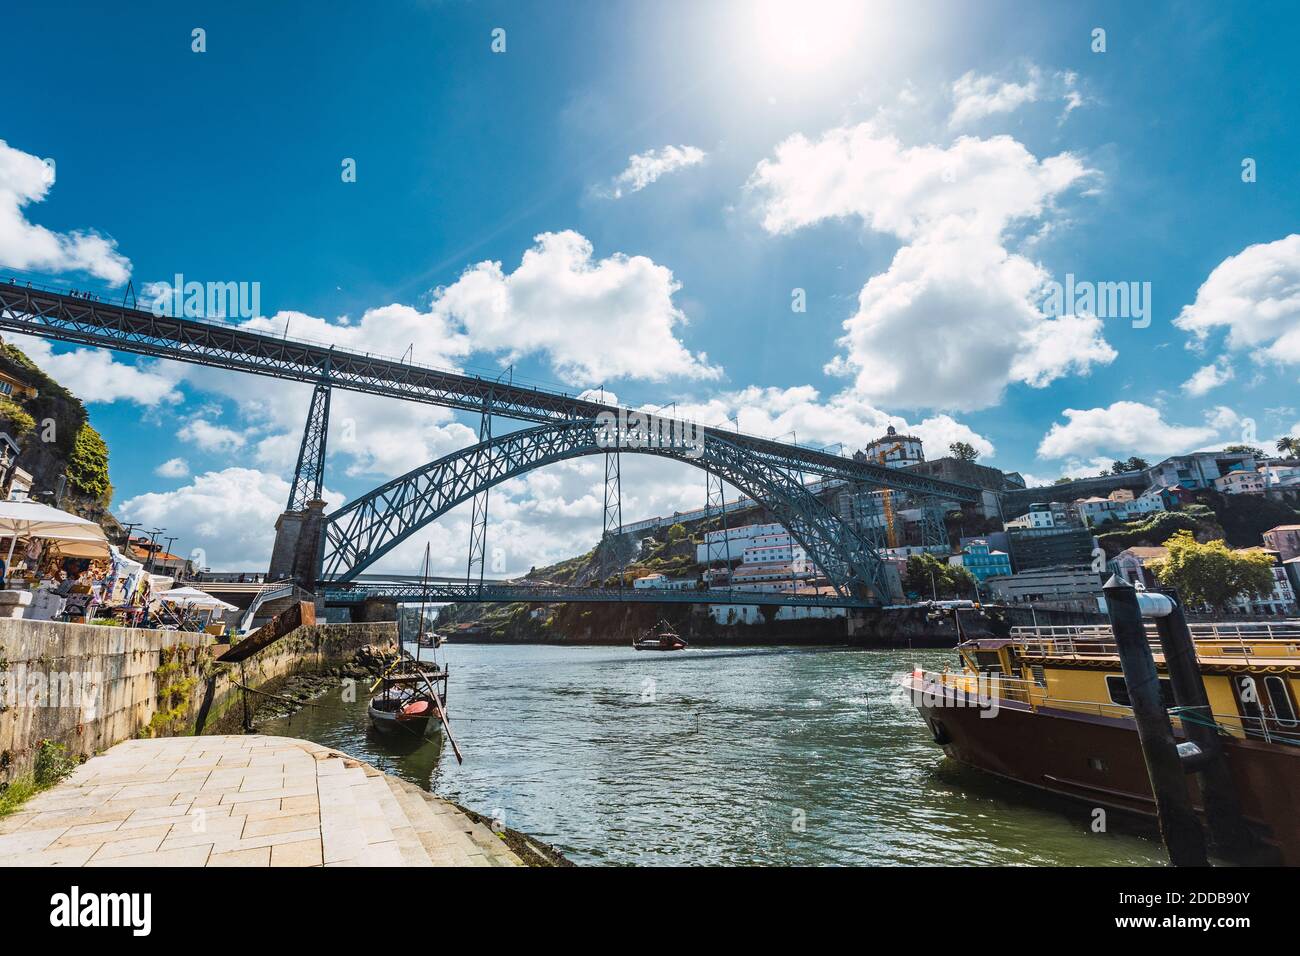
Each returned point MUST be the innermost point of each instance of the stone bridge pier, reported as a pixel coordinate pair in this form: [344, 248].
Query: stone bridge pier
[296, 554]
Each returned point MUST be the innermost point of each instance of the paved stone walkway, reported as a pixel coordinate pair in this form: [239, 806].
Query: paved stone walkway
[240, 801]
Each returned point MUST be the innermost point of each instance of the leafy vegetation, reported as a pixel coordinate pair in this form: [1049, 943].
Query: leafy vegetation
[1120, 467]
[1212, 574]
[53, 763]
[88, 464]
[1156, 530]
[963, 451]
[1245, 518]
[927, 576]
[19, 423]
[1259, 453]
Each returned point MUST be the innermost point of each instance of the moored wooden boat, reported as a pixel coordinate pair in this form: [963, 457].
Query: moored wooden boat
[400, 714]
[1061, 720]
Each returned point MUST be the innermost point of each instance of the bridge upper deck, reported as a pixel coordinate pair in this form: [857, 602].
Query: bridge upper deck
[56, 314]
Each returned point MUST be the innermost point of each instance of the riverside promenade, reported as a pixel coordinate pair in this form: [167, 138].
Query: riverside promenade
[247, 800]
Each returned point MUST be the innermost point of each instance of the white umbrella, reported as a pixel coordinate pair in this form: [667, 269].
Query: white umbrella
[194, 597]
[31, 519]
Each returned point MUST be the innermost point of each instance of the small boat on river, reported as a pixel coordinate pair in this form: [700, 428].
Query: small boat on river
[410, 699]
[660, 638]
[412, 694]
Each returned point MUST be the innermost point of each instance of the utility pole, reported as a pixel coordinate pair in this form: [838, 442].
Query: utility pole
[128, 527]
[153, 548]
[168, 549]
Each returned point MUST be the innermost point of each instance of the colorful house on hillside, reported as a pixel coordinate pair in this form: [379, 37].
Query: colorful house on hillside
[982, 561]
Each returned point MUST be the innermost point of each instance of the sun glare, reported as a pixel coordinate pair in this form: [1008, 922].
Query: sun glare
[803, 36]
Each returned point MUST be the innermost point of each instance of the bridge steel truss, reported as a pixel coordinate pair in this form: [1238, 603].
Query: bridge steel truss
[504, 592]
[365, 529]
[309, 475]
[67, 318]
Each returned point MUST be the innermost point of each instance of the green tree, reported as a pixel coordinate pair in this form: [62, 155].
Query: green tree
[20, 423]
[1134, 463]
[676, 533]
[927, 575]
[88, 464]
[1259, 453]
[1289, 446]
[1213, 574]
[963, 451]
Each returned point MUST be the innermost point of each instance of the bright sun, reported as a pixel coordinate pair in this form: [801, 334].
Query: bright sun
[801, 36]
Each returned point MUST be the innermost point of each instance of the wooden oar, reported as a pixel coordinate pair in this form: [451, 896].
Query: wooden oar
[389, 668]
[442, 714]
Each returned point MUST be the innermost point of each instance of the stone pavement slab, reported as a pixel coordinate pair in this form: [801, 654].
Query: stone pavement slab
[250, 800]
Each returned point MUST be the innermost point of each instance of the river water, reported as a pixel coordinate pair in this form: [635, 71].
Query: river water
[761, 756]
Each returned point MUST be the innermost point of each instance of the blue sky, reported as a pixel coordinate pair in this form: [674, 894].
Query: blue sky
[919, 170]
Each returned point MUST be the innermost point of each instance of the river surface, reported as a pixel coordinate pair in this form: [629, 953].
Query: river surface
[761, 756]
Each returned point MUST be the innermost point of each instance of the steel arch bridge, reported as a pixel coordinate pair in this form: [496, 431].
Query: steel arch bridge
[313, 548]
[364, 530]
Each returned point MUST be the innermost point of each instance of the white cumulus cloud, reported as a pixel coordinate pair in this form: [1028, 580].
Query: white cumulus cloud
[954, 319]
[644, 168]
[26, 179]
[229, 514]
[1255, 297]
[1208, 377]
[173, 468]
[593, 319]
[93, 375]
[976, 96]
[211, 437]
[1123, 428]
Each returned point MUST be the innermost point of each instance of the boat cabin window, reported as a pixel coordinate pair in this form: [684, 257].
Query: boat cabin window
[989, 662]
[1040, 675]
[1118, 691]
[1280, 698]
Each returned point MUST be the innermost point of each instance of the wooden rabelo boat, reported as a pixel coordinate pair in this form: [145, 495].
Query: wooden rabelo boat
[412, 694]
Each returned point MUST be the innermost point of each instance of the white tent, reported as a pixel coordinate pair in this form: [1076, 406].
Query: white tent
[75, 536]
[193, 597]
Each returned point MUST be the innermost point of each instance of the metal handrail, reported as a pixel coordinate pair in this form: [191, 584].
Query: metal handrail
[1090, 641]
[1036, 696]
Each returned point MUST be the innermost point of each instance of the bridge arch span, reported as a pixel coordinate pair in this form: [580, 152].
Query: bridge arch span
[365, 529]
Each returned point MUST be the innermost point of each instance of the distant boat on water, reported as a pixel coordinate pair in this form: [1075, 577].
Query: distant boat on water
[660, 638]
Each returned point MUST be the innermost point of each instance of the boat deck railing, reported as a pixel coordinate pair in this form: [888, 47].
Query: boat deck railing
[984, 687]
[1261, 643]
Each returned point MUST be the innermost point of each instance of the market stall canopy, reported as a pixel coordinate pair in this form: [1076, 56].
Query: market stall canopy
[75, 536]
[193, 597]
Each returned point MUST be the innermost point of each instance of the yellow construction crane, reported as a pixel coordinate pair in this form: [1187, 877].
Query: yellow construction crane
[891, 536]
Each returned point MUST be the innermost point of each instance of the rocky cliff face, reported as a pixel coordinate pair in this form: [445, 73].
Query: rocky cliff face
[56, 440]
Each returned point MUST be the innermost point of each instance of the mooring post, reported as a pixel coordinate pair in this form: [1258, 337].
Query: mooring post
[1179, 828]
[1229, 833]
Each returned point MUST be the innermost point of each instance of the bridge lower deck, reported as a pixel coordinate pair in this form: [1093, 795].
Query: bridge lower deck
[451, 592]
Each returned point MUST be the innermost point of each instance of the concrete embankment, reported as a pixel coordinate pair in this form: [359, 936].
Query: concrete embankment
[89, 687]
[620, 624]
[244, 800]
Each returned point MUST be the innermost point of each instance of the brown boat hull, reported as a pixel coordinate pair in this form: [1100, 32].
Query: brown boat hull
[1098, 761]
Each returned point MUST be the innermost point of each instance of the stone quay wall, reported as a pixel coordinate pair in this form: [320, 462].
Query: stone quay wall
[89, 687]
